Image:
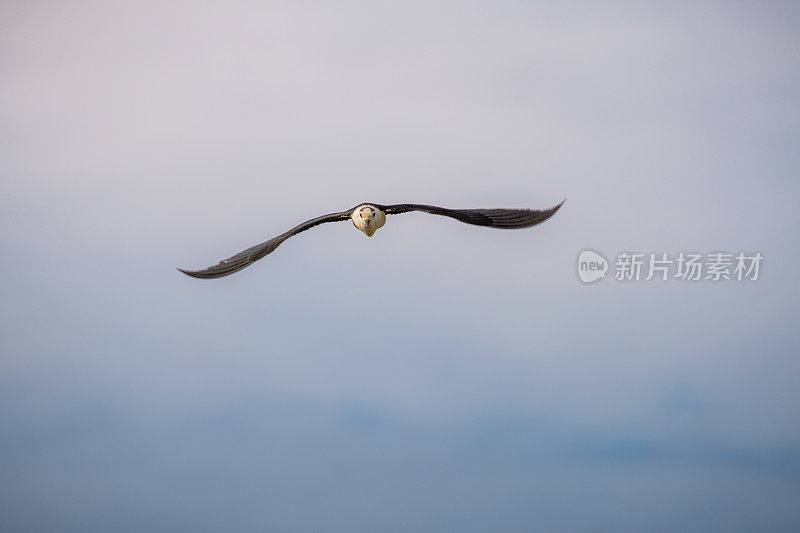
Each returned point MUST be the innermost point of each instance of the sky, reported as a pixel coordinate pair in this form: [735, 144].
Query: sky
[434, 377]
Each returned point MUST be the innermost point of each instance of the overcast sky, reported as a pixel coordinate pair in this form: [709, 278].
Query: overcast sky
[437, 376]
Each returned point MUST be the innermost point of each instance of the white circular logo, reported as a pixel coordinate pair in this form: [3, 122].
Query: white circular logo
[591, 266]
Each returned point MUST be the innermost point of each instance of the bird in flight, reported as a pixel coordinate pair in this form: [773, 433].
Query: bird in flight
[369, 218]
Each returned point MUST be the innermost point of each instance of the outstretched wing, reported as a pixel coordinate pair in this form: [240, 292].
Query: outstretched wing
[493, 218]
[253, 254]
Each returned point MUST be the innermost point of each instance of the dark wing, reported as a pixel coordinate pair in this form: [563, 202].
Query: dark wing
[251, 255]
[493, 218]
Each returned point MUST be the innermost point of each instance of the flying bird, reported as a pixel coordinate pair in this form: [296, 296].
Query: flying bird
[369, 218]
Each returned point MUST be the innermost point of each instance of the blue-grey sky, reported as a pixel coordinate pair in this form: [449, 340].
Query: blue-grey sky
[438, 376]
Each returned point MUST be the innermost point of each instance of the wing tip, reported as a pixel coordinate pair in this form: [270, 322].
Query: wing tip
[552, 210]
[536, 217]
[225, 268]
[547, 213]
[192, 273]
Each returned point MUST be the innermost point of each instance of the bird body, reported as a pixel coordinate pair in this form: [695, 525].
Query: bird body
[369, 218]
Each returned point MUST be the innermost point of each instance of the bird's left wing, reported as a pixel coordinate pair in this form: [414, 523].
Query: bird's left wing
[253, 254]
[493, 218]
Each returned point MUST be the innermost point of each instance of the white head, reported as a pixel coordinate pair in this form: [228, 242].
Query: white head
[368, 218]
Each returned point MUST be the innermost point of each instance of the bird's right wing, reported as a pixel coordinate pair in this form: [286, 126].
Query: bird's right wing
[253, 254]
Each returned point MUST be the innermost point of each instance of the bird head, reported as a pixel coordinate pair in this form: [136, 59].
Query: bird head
[368, 219]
